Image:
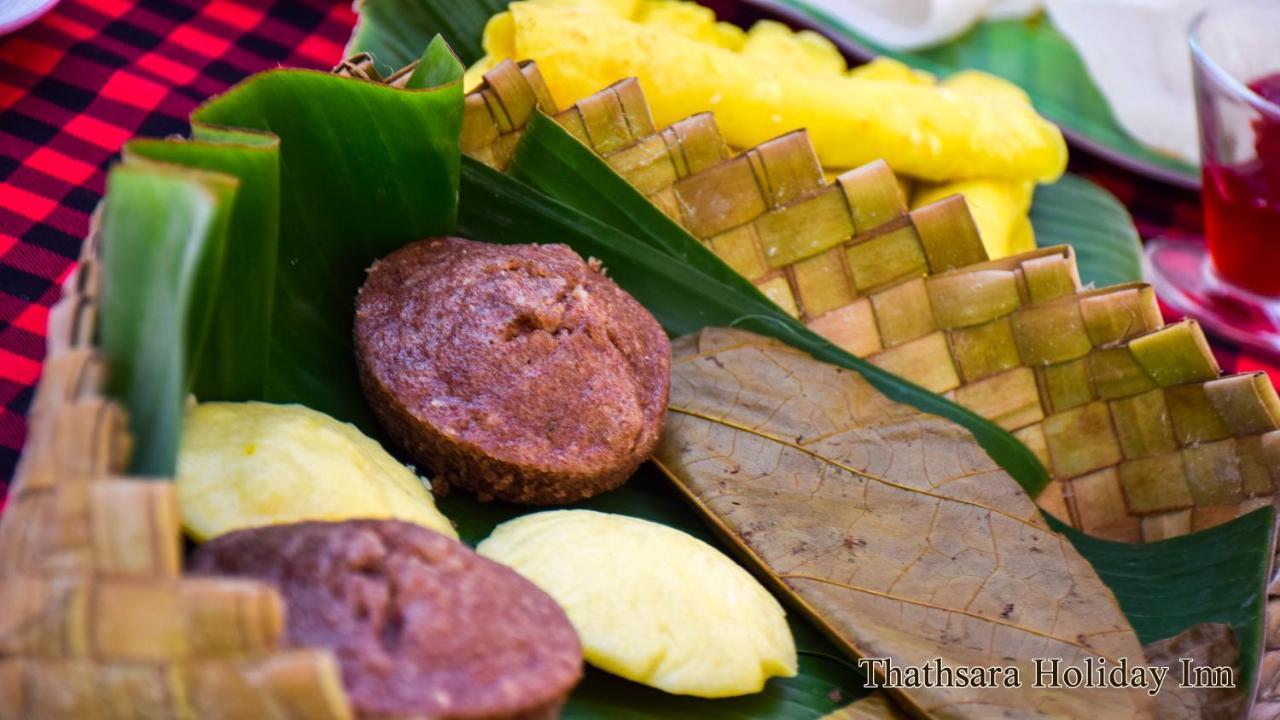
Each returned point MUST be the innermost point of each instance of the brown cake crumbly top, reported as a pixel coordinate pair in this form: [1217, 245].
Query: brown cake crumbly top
[524, 357]
[421, 625]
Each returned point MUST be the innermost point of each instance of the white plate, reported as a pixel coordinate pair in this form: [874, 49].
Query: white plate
[15, 14]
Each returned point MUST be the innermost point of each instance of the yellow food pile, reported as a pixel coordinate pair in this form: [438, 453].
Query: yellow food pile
[250, 464]
[651, 603]
[971, 133]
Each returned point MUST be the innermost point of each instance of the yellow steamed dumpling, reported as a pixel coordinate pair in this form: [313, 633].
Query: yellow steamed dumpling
[652, 604]
[251, 464]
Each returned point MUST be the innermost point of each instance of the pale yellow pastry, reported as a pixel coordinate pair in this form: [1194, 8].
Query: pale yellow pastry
[251, 464]
[651, 603]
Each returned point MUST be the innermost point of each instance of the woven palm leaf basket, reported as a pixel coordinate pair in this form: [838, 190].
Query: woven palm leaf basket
[96, 618]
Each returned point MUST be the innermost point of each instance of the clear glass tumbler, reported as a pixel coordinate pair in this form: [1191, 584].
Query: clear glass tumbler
[1232, 283]
[1236, 55]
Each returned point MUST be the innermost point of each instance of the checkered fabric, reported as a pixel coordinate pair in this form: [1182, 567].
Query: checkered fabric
[73, 87]
[92, 73]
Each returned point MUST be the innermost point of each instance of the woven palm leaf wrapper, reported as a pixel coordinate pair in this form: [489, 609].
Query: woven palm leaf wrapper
[1143, 438]
[96, 619]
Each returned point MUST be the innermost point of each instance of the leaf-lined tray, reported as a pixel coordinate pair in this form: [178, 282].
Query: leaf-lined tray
[1151, 582]
[362, 168]
[1031, 53]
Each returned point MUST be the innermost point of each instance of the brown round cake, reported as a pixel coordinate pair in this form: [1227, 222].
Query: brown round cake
[421, 625]
[519, 372]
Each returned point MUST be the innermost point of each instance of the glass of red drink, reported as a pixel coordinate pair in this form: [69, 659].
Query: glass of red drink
[1234, 288]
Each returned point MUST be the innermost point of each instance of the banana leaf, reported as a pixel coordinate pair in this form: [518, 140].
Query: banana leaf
[350, 193]
[1080, 213]
[163, 234]
[232, 364]
[395, 32]
[1216, 575]
[365, 169]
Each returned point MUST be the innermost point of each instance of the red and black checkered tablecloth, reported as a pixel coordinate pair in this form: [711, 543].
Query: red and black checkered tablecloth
[73, 87]
[93, 73]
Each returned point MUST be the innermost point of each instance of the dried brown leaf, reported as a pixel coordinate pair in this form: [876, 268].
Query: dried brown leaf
[890, 527]
[1212, 644]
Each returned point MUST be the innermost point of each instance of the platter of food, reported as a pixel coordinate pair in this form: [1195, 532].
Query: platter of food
[1126, 43]
[547, 362]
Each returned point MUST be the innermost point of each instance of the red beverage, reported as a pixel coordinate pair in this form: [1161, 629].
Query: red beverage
[1242, 206]
[1231, 282]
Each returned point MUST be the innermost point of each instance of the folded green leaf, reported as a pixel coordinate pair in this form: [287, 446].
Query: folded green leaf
[438, 66]
[163, 230]
[232, 365]
[365, 168]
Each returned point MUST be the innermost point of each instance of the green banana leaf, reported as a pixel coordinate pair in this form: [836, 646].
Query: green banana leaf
[163, 233]
[366, 169]
[1080, 213]
[395, 31]
[233, 362]
[439, 67]
[1033, 54]
[339, 212]
[1216, 575]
